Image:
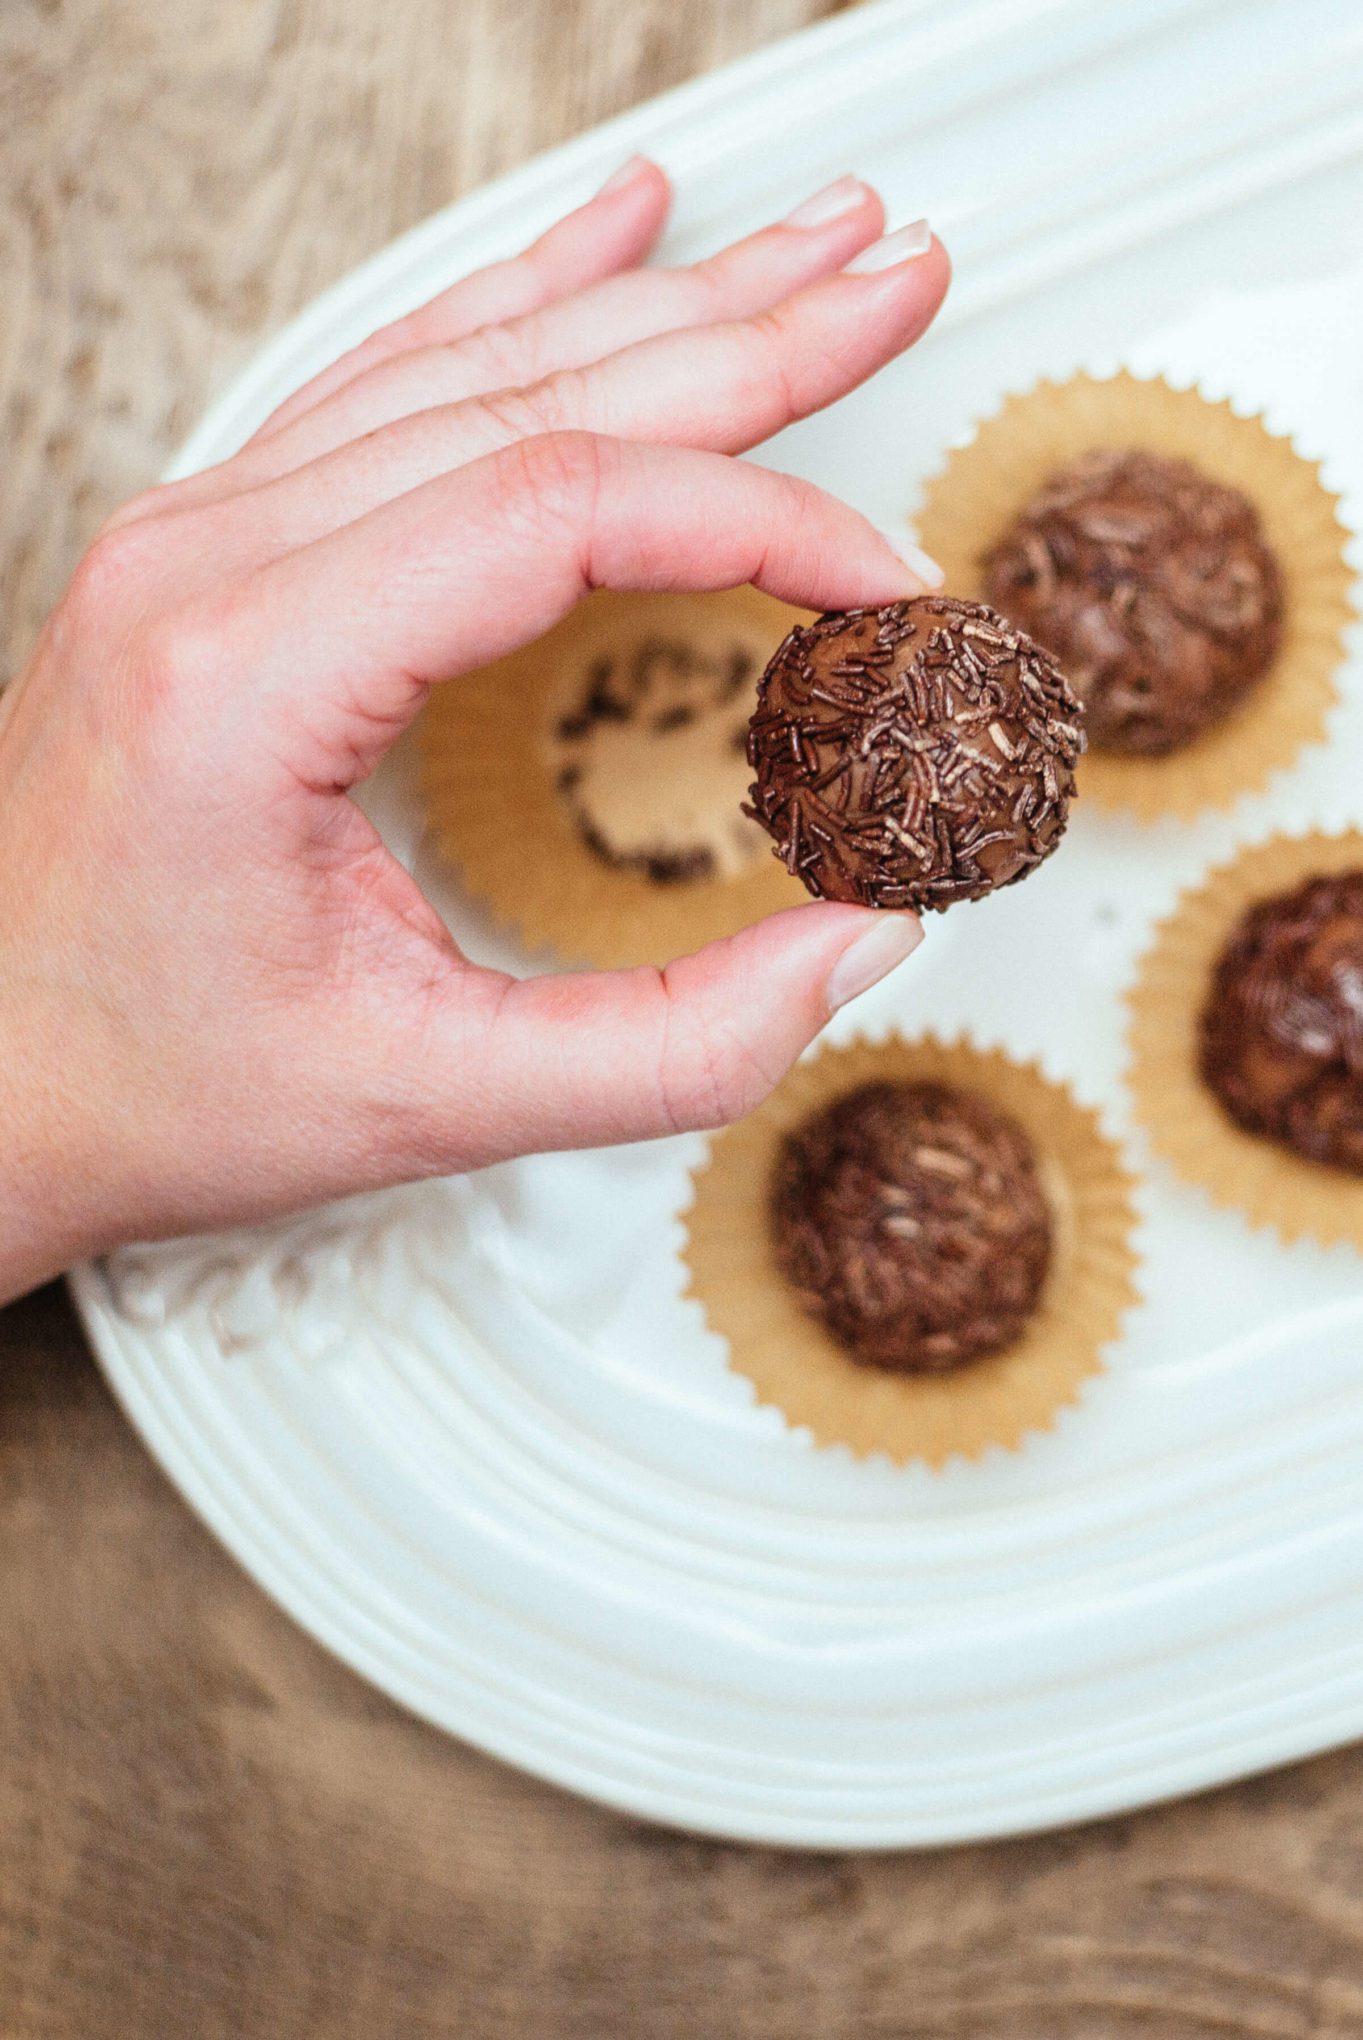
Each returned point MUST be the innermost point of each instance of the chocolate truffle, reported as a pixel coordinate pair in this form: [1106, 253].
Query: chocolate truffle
[1281, 1039]
[912, 756]
[649, 759]
[1152, 585]
[910, 1221]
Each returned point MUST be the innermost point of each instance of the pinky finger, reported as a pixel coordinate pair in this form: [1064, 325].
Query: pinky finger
[613, 231]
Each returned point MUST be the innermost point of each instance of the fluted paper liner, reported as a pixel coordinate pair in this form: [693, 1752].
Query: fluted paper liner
[984, 485]
[1270, 1184]
[495, 814]
[795, 1364]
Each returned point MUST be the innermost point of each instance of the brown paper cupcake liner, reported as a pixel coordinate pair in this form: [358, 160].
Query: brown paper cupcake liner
[795, 1365]
[977, 495]
[495, 812]
[1244, 1171]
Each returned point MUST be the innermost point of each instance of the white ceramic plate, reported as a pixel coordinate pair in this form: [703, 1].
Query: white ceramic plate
[471, 1435]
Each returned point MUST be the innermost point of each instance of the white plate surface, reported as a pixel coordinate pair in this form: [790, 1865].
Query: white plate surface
[470, 1433]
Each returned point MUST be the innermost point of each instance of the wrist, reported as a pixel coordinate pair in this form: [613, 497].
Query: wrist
[52, 1164]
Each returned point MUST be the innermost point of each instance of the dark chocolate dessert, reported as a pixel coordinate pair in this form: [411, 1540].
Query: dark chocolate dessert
[912, 756]
[649, 760]
[1152, 585]
[1281, 1042]
[911, 1222]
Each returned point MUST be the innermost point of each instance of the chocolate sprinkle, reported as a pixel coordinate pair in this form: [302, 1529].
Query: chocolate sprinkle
[1154, 587]
[911, 1223]
[912, 756]
[1281, 1035]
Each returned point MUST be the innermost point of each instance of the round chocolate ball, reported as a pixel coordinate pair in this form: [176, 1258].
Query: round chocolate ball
[912, 756]
[911, 1222]
[1281, 1034]
[1152, 585]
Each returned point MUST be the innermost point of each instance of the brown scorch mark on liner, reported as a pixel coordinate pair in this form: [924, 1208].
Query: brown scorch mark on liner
[1281, 1035]
[914, 755]
[910, 1221]
[1154, 587]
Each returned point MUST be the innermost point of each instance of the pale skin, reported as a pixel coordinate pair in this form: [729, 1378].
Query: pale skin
[221, 999]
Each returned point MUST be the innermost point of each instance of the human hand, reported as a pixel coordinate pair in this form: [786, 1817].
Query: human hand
[220, 997]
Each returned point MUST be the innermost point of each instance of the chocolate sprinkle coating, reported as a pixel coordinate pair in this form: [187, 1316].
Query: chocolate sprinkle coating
[911, 1222]
[1154, 587]
[912, 756]
[1281, 1035]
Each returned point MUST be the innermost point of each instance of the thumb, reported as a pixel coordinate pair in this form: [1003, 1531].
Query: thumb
[513, 1067]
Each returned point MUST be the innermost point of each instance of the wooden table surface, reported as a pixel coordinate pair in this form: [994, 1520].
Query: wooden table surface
[206, 1826]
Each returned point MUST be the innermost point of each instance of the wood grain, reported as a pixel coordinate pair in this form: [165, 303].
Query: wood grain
[179, 176]
[207, 1828]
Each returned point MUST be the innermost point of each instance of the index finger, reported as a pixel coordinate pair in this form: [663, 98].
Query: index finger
[343, 638]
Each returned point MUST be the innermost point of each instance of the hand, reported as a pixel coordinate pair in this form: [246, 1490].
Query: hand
[220, 997]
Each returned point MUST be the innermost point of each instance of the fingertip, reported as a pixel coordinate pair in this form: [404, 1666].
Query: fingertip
[847, 198]
[659, 177]
[829, 950]
[744, 1010]
[637, 176]
[941, 255]
[871, 955]
[924, 572]
[936, 271]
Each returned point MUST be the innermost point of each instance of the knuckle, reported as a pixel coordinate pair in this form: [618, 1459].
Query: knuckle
[190, 641]
[566, 401]
[521, 413]
[108, 583]
[710, 1076]
[147, 503]
[706, 290]
[165, 648]
[142, 699]
[798, 513]
[174, 649]
[491, 358]
[771, 341]
[558, 475]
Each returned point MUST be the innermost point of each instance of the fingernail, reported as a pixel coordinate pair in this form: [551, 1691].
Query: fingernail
[920, 564]
[871, 957]
[904, 245]
[626, 174]
[829, 204]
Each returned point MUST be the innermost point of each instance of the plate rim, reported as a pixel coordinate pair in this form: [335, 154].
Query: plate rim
[1065, 1806]
[558, 172]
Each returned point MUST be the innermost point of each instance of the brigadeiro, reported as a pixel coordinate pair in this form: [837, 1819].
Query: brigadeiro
[1281, 1034]
[1154, 587]
[913, 756]
[910, 1220]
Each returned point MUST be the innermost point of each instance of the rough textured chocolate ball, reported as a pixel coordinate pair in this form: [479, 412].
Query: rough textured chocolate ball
[912, 756]
[1282, 1031]
[1152, 585]
[911, 1222]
